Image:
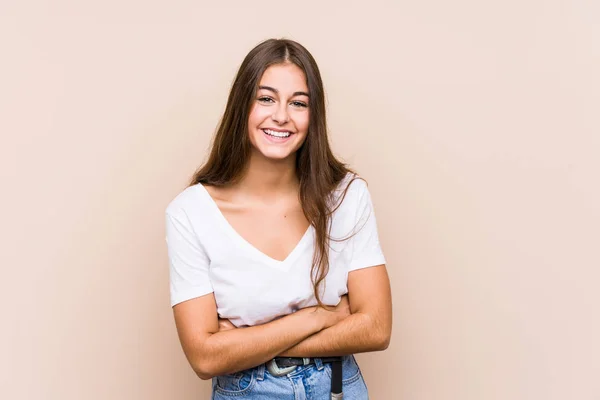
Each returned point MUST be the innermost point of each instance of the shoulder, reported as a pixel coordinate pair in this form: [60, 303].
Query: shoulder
[188, 201]
[351, 189]
[192, 210]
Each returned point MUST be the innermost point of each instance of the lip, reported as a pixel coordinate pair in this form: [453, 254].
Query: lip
[278, 130]
[276, 140]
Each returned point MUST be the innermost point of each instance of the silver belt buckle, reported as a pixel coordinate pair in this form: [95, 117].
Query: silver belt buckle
[274, 369]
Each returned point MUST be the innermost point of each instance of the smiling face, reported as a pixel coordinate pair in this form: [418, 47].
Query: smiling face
[278, 121]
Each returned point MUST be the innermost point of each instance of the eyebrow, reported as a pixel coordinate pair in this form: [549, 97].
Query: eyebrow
[277, 91]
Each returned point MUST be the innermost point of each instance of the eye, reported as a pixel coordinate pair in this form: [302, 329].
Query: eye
[299, 104]
[265, 99]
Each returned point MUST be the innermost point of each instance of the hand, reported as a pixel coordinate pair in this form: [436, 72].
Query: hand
[344, 306]
[332, 316]
[225, 325]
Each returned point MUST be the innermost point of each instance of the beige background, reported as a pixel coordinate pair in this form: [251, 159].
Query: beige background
[475, 123]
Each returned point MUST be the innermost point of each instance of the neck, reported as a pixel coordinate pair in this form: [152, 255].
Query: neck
[266, 178]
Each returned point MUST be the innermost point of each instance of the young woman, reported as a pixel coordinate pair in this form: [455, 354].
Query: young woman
[277, 275]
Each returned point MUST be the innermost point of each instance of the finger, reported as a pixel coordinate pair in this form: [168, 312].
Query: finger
[225, 324]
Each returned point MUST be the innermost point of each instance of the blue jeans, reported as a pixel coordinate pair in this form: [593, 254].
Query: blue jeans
[310, 382]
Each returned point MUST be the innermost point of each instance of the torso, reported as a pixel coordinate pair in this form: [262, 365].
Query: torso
[274, 229]
[256, 257]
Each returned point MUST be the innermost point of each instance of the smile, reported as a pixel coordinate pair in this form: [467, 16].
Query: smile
[277, 134]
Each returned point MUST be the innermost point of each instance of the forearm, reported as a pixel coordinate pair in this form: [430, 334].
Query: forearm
[357, 333]
[238, 349]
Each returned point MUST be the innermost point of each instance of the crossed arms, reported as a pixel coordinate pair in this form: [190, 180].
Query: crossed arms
[362, 322]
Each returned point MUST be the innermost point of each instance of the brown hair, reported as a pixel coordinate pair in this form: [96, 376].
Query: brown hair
[318, 171]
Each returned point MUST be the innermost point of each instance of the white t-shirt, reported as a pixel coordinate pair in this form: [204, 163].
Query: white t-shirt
[206, 255]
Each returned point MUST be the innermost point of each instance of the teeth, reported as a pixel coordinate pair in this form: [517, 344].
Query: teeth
[277, 134]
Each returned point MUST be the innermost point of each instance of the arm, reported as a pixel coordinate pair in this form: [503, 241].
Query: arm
[211, 352]
[369, 326]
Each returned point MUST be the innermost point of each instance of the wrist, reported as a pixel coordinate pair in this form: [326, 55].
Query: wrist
[314, 318]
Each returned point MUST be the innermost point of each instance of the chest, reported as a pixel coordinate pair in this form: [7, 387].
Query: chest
[272, 230]
[251, 289]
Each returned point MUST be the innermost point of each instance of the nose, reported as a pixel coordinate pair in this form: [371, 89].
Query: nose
[281, 115]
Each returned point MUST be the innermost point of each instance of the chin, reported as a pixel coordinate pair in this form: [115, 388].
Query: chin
[275, 155]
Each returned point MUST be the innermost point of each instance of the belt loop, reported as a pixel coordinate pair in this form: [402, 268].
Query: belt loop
[319, 364]
[260, 372]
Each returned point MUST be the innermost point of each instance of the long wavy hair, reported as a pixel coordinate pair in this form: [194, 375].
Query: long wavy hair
[319, 171]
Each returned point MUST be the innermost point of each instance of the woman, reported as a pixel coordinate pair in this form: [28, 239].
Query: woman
[277, 275]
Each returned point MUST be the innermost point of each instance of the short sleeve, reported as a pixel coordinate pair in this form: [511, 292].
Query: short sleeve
[365, 246]
[188, 261]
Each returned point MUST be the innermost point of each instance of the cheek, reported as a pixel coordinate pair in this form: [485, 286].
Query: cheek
[303, 122]
[303, 128]
[256, 116]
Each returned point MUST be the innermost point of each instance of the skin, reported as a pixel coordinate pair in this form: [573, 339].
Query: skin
[264, 208]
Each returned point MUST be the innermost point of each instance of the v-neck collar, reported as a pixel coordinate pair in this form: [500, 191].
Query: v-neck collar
[241, 241]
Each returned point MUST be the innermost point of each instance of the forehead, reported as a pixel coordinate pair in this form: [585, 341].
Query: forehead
[285, 77]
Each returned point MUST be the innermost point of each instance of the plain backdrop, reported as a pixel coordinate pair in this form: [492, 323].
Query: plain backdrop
[475, 123]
